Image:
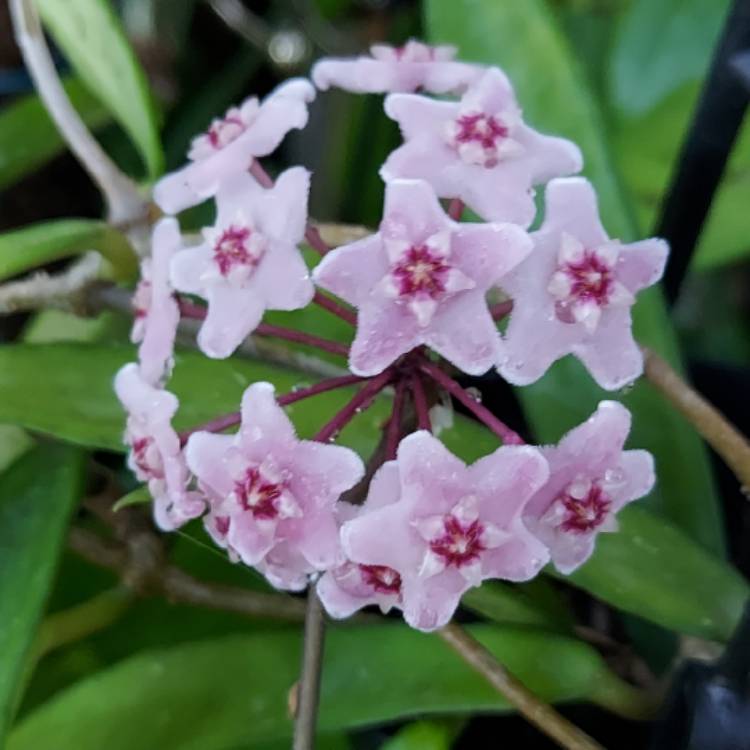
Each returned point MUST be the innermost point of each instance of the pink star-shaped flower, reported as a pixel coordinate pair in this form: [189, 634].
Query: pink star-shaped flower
[156, 313]
[231, 143]
[352, 586]
[478, 149]
[249, 260]
[155, 455]
[273, 496]
[591, 479]
[574, 292]
[445, 527]
[422, 279]
[408, 68]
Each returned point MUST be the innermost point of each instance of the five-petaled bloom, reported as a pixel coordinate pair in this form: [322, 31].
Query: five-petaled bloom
[408, 68]
[155, 310]
[422, 279]
[155, 456]
[272, 496]
[445, 527]
[574, 293]
[591, 479]
[478, 149]
[232, 143]
[249, 261]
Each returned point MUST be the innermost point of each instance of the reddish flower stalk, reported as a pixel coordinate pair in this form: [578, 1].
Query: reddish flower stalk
[335, 308]
[393, 431]
[289, 334]
[482, 413]
[456, 209]
[198, 312]
[329, 384]
[260, 174]
[230, 420]
[501, 309]
[361, 401]
[420, 403]
[316, 242]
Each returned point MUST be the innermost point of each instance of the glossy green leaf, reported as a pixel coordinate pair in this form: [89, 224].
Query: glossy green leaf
[421, 735]
[534, 603]
[159, 699]
[65, 390]
[37, 494]
[28, 137]
[90, 34]
[138, 496]
[654, 570]
[27, 248]
[522, 38]
[659, 47]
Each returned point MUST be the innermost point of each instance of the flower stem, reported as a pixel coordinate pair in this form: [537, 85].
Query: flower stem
[482, 413]
[230, 420]
[361, 401]
[324, 385]
[335, 308]
[316, 242]
[501, 309]
[393, 431]
[191, 310]
[538, 713]
[711, 424]
[309, 684]
[420, 403]
[260, 174]
[456, 209]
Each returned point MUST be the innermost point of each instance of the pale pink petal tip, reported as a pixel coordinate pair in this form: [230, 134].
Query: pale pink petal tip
[232, 142]
[155, 309]
[408, 68]
[591, 479]
[155, 455]
[479, 149]
[432, 528]
[422, 279]
[272, 496]
[249, 260]
[575, 291]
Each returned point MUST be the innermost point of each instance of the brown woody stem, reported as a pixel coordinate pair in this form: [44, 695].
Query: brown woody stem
[538, 713]
[713, 426]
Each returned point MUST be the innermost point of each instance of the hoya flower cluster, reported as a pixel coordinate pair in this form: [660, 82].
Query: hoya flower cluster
[419, 294]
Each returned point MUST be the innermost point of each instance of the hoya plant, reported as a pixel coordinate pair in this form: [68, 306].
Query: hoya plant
[304, 416]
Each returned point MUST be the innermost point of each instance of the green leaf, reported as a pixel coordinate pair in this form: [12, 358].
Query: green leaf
[90, 34]
[421, 735]
[159, 699]
[522, 38]
[654, 570]
[536, 603]
[29, 138]
[65, 390]
[32, 246]
[138, 496]
[659, 47]
[37, 495]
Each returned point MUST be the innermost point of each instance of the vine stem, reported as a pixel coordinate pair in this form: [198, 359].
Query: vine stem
[482, 413]
[501, 309]
[393, 430]
[711, 424]
[538, 713]
[334, 307]
[124, 203]
[309, 685]
[456, 209]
